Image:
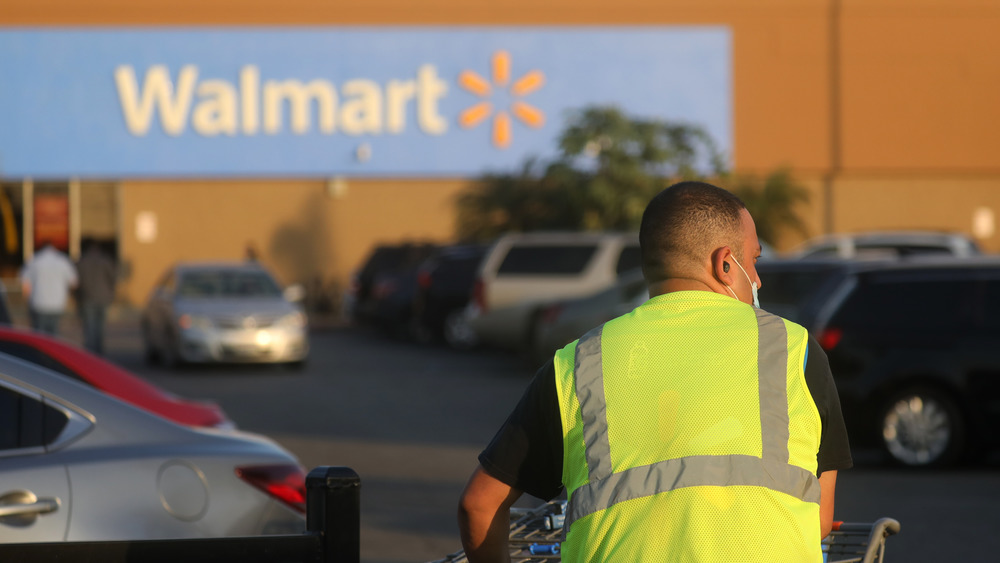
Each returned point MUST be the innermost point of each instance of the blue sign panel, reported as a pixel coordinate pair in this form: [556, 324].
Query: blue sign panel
[318, 102]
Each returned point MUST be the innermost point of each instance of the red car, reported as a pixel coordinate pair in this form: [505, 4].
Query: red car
[68, 359]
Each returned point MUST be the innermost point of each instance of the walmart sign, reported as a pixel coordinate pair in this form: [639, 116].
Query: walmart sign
[337, 101]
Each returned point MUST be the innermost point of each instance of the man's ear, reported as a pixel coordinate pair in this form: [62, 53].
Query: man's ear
[721, 265]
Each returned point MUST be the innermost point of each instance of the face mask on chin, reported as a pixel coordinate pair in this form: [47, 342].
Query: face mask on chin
[753, 286]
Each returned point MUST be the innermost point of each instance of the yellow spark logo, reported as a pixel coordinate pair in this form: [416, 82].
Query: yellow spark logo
[525, 113]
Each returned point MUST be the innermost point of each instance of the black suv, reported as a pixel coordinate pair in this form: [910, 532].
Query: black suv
[383, 287]
[444, 287]
[913, 345]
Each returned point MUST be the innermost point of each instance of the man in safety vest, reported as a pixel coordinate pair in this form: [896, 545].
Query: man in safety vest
[698, 427]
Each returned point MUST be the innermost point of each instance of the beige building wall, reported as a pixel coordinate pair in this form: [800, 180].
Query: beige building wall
[930, 202]
[874, 201]
[921, 79]
[306, 231]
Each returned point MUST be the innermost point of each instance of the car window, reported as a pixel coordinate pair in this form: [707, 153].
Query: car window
[786, 292]
[894, 302]
[395, 258]
[227, 283]
[168, 283]
[547, 259]
[789, 287]
[908, 250]
[27, 422]
[457, 272]
[630, 259]
[464, 267]
[821, 251]
[34, 355]
[382, 258]
[823, 254]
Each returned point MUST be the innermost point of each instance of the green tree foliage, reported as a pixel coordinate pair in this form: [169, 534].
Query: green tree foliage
[608, 168]
[772, 201]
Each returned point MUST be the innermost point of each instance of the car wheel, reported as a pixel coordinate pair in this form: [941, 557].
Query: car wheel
[922, 427]
[457, 332]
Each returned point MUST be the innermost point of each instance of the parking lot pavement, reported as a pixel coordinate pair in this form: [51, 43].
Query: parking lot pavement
[412, 419]
[121, 321]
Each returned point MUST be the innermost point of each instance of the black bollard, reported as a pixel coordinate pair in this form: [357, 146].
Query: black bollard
[333, 510]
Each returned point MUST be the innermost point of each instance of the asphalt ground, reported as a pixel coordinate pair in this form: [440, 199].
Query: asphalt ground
[411, 419]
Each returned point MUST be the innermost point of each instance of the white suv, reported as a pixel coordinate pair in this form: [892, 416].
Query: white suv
[887, 245]
[522, 272]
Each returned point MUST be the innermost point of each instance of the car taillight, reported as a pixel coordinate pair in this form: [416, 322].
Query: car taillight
[479, 294]
[423, 279]
[830, 337]
[551, 313]
[286, 483]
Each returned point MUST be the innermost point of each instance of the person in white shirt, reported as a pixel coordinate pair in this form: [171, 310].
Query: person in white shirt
[46, 281]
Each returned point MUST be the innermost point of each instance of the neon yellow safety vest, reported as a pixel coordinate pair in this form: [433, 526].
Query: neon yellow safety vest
[689, 434]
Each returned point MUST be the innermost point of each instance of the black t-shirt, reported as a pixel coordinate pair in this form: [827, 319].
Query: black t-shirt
[527, 452]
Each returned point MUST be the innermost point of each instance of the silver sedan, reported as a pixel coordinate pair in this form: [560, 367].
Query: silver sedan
[77, 465]
[224, 312]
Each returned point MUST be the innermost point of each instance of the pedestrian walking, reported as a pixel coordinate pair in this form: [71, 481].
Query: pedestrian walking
[46, 281]
[698, 427]
[97, 276]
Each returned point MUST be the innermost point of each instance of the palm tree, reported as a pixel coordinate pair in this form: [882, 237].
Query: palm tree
[772, 202]
[609, 167]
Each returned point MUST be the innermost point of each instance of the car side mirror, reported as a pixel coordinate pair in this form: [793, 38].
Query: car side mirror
[294, 293]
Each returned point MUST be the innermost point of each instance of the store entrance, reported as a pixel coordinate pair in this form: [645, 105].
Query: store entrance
[11, 227]
[68, 214]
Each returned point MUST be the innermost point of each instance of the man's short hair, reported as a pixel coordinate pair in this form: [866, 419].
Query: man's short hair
[683, 224]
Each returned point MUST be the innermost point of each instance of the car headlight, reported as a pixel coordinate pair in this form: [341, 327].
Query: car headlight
[187, 321]
[293, 320]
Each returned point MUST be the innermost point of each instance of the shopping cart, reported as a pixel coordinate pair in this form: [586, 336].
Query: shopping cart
[536, 533]
[859, 543]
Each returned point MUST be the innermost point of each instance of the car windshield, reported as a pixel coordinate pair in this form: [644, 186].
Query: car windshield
[786, 292]
[228, 283]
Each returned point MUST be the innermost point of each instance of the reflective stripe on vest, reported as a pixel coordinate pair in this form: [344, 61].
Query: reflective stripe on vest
[772, 470]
